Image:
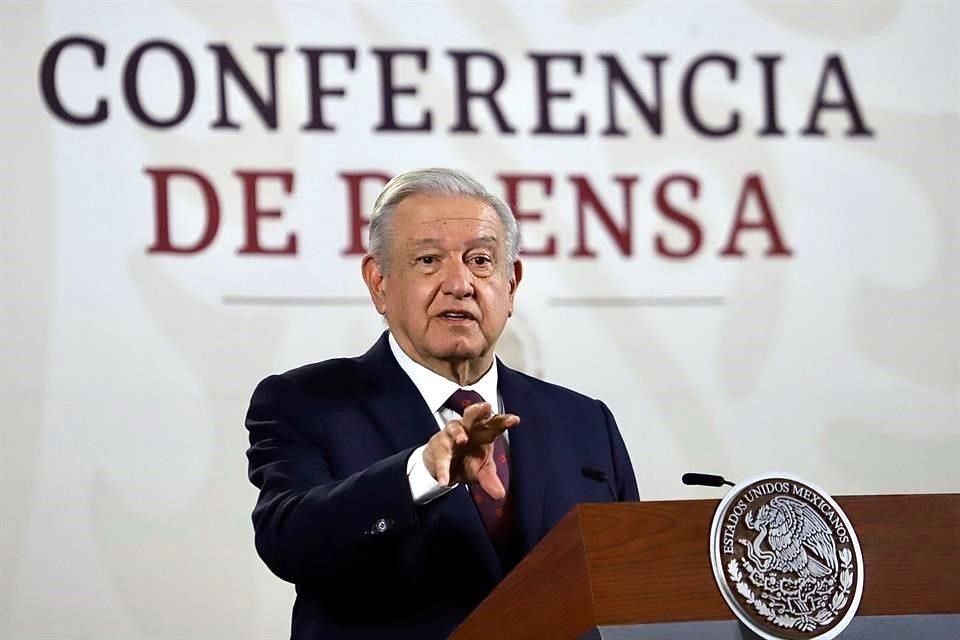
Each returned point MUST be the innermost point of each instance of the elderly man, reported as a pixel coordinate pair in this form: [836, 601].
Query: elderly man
[399, 487]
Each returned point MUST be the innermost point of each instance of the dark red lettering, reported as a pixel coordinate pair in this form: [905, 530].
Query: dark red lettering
[161, 183]
[511, 185]
[358, 222]
[682, 218]
[622, 236]
[252, 213]
[753, 186]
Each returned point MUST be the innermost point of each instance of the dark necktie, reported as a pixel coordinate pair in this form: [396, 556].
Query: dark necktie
[496, 514]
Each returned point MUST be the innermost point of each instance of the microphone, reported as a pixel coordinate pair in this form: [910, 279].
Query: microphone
[704, 480]
[600, 476]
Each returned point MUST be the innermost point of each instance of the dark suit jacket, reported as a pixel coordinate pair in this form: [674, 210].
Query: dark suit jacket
[329, 444]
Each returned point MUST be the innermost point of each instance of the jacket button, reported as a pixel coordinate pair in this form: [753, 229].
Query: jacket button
[381, 525]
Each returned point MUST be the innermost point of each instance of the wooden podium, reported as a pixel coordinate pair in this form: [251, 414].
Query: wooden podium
[642, 570]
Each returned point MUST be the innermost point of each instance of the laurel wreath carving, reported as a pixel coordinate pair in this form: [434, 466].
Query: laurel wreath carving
[804, 622]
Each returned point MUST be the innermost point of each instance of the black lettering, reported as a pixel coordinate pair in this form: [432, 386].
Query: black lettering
[833, 66]
[465, 94]
[687, 97]
[188, 86]
[616, 76]
[48, 77]
[316, 88]
[389, 91]
[769, 83]
[266, 107]
[546, 95]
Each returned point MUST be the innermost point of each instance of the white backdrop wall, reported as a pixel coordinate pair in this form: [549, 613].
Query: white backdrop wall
[829, 347]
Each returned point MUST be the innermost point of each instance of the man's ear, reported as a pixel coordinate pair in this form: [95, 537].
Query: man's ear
[515, 279]
[373, 277]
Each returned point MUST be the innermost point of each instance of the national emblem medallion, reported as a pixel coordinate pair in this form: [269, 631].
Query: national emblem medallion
[786, 559]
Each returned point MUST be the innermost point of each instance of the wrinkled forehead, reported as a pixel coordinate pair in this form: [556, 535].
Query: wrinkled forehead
[448, 221]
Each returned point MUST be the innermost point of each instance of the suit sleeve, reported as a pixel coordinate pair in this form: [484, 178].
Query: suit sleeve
[308, 526]
[625, 480]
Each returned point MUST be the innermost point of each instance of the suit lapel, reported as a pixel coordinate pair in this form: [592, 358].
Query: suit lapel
[403, 418]
[528, 444]
[397, 408]
[457, 512]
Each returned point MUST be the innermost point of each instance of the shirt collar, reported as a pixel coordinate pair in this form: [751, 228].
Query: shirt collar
[435, 389]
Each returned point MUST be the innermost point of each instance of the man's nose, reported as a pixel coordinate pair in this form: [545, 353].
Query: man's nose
[457, 280]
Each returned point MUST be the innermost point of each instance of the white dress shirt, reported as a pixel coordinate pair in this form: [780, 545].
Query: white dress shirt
[435, 390]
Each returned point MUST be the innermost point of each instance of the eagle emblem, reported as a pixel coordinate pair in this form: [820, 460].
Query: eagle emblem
[798, 539]
[786, 559]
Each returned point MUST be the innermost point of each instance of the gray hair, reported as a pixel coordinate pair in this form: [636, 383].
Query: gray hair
[443, 182]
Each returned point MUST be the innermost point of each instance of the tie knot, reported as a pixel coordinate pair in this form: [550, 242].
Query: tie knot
[461, 399]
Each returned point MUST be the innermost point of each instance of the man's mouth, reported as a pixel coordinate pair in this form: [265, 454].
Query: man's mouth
[457, 315]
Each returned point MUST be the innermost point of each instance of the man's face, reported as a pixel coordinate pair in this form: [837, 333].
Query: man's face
[448, 292]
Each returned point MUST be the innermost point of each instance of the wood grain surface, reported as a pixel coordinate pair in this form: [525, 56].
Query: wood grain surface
[650, 562]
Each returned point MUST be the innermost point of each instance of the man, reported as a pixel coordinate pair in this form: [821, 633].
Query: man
[397, 488]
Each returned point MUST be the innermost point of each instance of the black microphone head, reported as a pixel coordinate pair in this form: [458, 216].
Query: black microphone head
[594, 474]
[702, 480]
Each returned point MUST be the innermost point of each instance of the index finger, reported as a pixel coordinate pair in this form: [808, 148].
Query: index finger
[488, 428]
[475, 413]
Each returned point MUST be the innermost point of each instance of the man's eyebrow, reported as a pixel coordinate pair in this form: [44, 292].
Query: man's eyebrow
[425, 242]
[483, 241]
